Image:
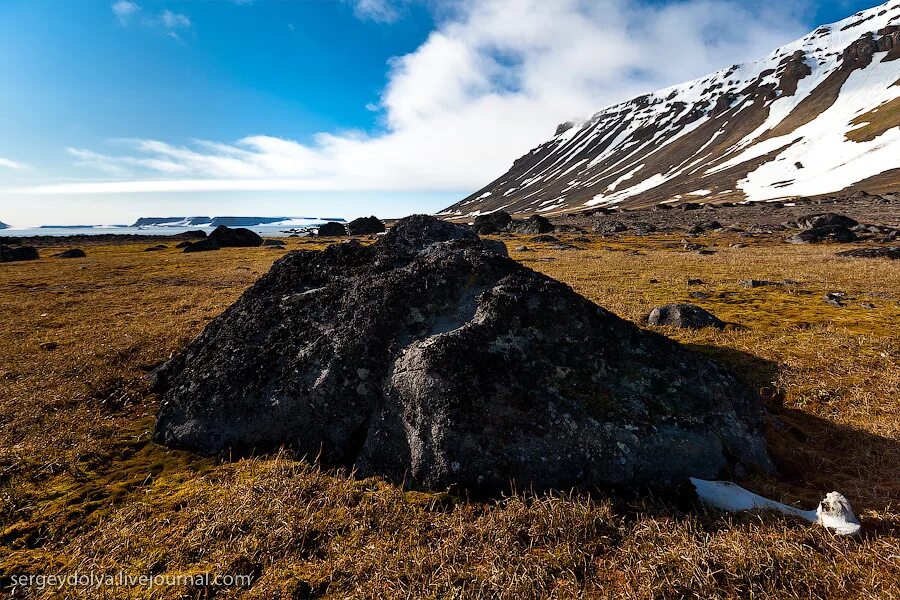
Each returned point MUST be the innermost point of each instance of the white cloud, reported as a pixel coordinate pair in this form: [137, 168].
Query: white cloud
[6, 163]
[491, 82]
[124, 10]
[380, 11]
[170, 23]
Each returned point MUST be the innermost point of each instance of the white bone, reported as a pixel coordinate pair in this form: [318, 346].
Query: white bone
[834, 512]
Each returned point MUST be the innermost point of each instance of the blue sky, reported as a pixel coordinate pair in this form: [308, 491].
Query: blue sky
[116, 109]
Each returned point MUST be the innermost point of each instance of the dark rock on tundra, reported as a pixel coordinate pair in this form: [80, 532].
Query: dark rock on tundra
[687, 316]
[237, 237]
[610, 227]
[891, 252]
[532, 225]
[156, 248]
[273, 243]
[9, 254]
[431, 358]
[365, 226]
[194, 234]
[826, 220]
[71, 253]
[183, 245]
[827, 233]
[205, 245]
[492, 222]
[545, 239]
[332, 229]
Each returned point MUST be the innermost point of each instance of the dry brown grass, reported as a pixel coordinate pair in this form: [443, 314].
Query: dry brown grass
[81, 489]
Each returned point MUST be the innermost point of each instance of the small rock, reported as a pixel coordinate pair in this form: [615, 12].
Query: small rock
[203, 245]
[48, 346]
[834, 299]
[71, 253]
[826, 220]
[156, 248]
[273, 243]
[685, 316]
[523, 249]
[545, 239]
[695, 282]
[183, 245]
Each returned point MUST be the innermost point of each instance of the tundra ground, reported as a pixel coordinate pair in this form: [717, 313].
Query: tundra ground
[83, 490]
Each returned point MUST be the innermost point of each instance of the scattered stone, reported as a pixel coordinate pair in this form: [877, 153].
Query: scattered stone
[653, 281]
[205, 245]
[532, 225]
[690, 246]
[273, 243]
[684, 316]
[183, 245]
[545, 239]
[610, 227]
[431, 359]
[867, 305]
[582, 240]
[235, 237]
[698, 295]
[49, 346]
[890, 252]
[690, 206]
[71, 253]
[834, 299]
[695, 282]
[365, 226]
[755, 283]
[523, 249]
[8, 254]
[705, 252]
[156, 248]
[698, 228]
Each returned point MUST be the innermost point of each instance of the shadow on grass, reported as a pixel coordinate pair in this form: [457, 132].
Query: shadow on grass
[815, 455]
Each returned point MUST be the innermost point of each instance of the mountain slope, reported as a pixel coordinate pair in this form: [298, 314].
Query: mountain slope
[817, 116]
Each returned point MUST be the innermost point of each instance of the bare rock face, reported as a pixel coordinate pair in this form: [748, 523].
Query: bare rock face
[431, 358]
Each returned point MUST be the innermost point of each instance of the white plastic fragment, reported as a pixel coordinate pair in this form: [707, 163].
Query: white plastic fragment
[834, 511]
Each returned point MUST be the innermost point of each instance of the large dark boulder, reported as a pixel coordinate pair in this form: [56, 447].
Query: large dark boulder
[71, 253]
[532, 225]
[237, 237]
[431, 358]
[10, 254]
[826, 220]
[492, 222]
[826, 233]
[203, 245]
[365, 226]
[686, 316]
[332, 229]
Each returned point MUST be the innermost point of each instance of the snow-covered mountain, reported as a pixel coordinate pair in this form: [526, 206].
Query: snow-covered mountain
[818, 116]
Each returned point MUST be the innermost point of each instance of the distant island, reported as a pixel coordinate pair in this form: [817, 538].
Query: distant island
[3, 225]
[216, 221]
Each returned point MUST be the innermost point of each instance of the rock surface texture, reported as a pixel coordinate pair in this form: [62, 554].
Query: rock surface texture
[686, 316]
[432, 359]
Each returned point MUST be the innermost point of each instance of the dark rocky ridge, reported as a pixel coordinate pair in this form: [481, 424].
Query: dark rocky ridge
[431, 358]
